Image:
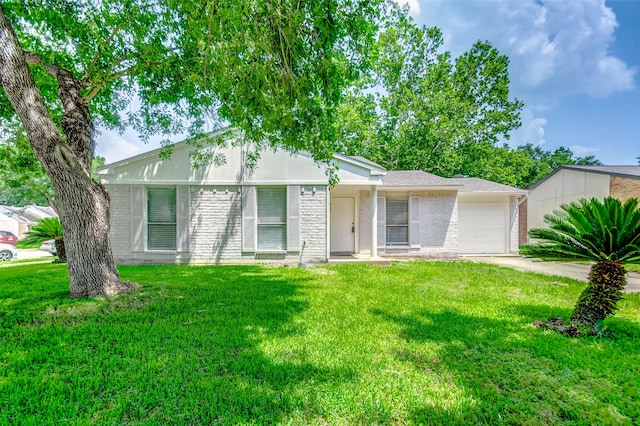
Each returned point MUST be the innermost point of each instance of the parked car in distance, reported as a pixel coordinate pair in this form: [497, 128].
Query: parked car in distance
[7, 252]
[49, 246]
[7, 237]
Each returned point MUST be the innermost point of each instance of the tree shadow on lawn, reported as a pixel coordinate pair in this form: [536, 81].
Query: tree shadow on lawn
[185, 349]
[508, 371]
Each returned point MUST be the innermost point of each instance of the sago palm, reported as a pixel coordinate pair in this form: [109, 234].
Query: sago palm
[48, 228]
[607, 232]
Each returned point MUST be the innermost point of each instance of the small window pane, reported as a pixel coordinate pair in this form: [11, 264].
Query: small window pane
[397, 235]
[272, 205]
[397, 211]
[162, 205]
[272, 237]
[162, 237]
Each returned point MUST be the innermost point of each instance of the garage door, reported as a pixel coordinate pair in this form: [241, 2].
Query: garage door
[482, 228]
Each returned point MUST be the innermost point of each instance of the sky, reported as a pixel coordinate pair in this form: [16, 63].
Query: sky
[574, 63]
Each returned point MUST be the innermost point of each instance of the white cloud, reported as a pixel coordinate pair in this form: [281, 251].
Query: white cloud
[556, 48]
[531, 131]
[414, 6]
[114, 147]
[583, 151]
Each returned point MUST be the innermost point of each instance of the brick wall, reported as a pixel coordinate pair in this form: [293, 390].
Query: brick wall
[215, 227]
[438, 220]
[215, 223]
[522, 224]
[120, 214]
[313, 223]
[365, 221]
[624, 188]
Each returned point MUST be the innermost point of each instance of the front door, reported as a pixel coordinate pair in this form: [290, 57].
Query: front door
[343, 224]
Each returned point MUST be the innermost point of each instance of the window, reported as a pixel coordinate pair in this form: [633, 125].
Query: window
[272, 218]
[397, 222]
[161, 219]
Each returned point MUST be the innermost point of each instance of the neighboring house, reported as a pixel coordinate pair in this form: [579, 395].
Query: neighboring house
[571, 183]
[11, 222]
[19, 220]
[164, 211]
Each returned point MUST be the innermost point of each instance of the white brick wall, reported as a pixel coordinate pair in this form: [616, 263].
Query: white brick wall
[215, 228]
[438, 220]
[365, 221]
[313, 223]
[120, 214]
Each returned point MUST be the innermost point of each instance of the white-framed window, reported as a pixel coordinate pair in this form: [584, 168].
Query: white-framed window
[272, 218]
[161, 218]
[397, 226]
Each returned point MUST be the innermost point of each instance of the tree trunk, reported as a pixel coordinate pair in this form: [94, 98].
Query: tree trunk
[61, 251]
[81, 203]
[599, 300]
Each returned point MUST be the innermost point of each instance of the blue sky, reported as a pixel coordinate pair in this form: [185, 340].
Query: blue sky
[574, 63]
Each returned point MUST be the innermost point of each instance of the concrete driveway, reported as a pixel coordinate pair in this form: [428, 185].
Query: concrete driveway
[562, 269]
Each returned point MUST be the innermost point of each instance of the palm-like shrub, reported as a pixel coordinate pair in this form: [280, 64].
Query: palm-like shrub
[607, 232]
[48, 228]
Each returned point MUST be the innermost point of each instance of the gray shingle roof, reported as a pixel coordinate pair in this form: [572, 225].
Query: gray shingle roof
[471, 184]
[415, 178]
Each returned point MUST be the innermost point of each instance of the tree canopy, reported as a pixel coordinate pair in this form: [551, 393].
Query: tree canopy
[275, 70]
[423, 110]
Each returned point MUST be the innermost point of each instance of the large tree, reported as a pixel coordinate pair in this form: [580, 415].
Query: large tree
[276, 70]
[422, 110]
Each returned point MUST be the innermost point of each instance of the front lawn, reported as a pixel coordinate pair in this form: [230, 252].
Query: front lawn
[411, 343]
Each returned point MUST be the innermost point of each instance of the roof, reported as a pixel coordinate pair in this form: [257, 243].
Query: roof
[415, 178]
[30, 214]
[631, 172]
[471, 184]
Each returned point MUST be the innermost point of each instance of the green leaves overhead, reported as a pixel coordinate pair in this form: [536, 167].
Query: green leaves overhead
[421, 109]
[275, 69]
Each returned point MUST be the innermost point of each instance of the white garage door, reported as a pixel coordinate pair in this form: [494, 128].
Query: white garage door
[482, 228]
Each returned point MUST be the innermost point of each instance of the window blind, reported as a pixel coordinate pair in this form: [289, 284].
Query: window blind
[397, 221]
[272, 218]
[161, 218]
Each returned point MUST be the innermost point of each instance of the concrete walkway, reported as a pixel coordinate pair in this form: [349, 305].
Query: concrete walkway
[576, 271]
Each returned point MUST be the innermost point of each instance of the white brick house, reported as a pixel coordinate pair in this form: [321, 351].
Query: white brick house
[164, 211]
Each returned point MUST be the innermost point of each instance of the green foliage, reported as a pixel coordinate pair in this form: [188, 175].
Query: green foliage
[412, 343]
[592, 230]
[23, 180]
[274, 70]
[605, 231]
[539, 163]
[430, 109]
[441, 115]
[48, 228]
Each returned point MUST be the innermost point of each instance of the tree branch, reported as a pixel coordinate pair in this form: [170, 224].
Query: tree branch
[76, 122]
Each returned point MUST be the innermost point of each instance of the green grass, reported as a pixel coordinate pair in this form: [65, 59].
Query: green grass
[25, 245]
[632, 268]
[411, 343]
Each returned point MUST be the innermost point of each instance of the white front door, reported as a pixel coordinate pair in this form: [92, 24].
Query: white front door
[343, 224]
